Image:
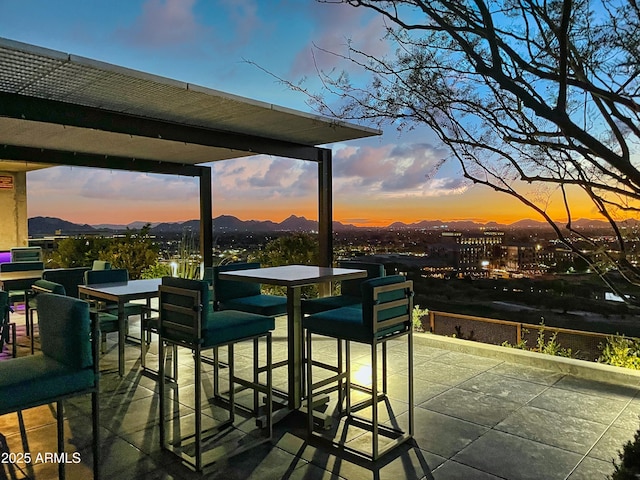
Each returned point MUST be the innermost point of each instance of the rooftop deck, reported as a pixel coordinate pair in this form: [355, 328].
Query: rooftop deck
[477, 417]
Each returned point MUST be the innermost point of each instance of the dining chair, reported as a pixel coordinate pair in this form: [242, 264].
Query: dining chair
[68, 367]
[186, 320]
[18, 288]
[70, 278]
[39, 287]
[101, 265]
[26, 254]
[384, 315]
[119, 275]
[350, 293]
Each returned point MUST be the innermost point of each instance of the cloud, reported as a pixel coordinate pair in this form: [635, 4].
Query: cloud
[111, 186]
[397, 169]
[245, 18]
[337, 27]
[262, 178]
[165, 23]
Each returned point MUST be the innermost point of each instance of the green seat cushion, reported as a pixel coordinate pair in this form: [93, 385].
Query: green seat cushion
[317, 305]
[37, 380]
[345, 323]
[229, 325]
[108, 322]
[51, 287]
[270, 305]
[129, 308]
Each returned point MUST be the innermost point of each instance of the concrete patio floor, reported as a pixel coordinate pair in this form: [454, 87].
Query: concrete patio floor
[476, 417]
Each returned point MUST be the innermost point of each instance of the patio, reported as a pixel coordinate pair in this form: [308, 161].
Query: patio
[477, 417]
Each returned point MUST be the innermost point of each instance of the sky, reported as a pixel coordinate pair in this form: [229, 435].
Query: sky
[217, 44]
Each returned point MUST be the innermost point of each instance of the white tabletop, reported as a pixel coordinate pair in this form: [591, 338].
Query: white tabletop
[293, 275]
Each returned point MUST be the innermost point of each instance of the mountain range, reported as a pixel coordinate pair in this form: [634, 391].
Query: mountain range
[229, 223]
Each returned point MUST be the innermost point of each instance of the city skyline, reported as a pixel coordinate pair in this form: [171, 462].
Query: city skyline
[398, 176]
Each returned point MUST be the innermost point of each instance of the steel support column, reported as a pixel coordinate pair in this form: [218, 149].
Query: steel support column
[206, 217]
[325, 207]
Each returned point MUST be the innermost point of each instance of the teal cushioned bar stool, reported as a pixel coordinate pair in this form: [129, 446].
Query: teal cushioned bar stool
[385, 314]
[350, 293]
[186, 320]
[68, 367]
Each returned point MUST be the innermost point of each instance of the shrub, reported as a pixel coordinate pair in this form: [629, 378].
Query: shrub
[416, 317]
[629, 466]
[621, 352]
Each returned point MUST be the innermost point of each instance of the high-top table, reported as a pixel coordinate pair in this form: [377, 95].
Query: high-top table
[294, 277]
[121, 293]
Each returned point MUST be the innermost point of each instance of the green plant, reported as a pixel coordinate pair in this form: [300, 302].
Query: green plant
[621, 352]
[521, 344]
[629, 466]
[416, 317]
[186, 263]
[157, 270]
[135, 252]
[551, 346]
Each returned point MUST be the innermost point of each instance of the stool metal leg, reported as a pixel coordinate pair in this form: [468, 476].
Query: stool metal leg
[309, 385]
[198, 386]
[374, 398]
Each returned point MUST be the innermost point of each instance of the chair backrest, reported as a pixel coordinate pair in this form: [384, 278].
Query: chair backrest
[387, 304]
[4, 304]
[4, 318]
[101, 265]
[45, 286]
[65, 330]
[70, 278]
[353, 287]
[21, 266]
[26, 254]
[224, 290]
[183, 304]
[24, 284]
[95, 277]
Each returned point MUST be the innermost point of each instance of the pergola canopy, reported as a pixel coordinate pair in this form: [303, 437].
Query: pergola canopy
[65, 103]
[61, 109]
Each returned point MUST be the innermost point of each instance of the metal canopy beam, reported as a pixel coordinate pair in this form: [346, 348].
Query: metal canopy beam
[76, 159]
[51, 111]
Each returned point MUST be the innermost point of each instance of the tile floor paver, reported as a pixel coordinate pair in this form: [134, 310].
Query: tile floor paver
[476, 418]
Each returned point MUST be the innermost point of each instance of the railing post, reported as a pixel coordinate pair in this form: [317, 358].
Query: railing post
[432, 321]
[518, 333]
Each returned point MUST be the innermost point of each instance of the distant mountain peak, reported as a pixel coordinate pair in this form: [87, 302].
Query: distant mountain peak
[230, 223]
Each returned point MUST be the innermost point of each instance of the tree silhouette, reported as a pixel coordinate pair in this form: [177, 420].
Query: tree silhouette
[540, 93]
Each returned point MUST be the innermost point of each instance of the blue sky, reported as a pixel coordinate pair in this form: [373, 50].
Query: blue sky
[376, 181]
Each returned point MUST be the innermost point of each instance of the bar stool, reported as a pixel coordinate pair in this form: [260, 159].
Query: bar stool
[186, 320]
[385, 314]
